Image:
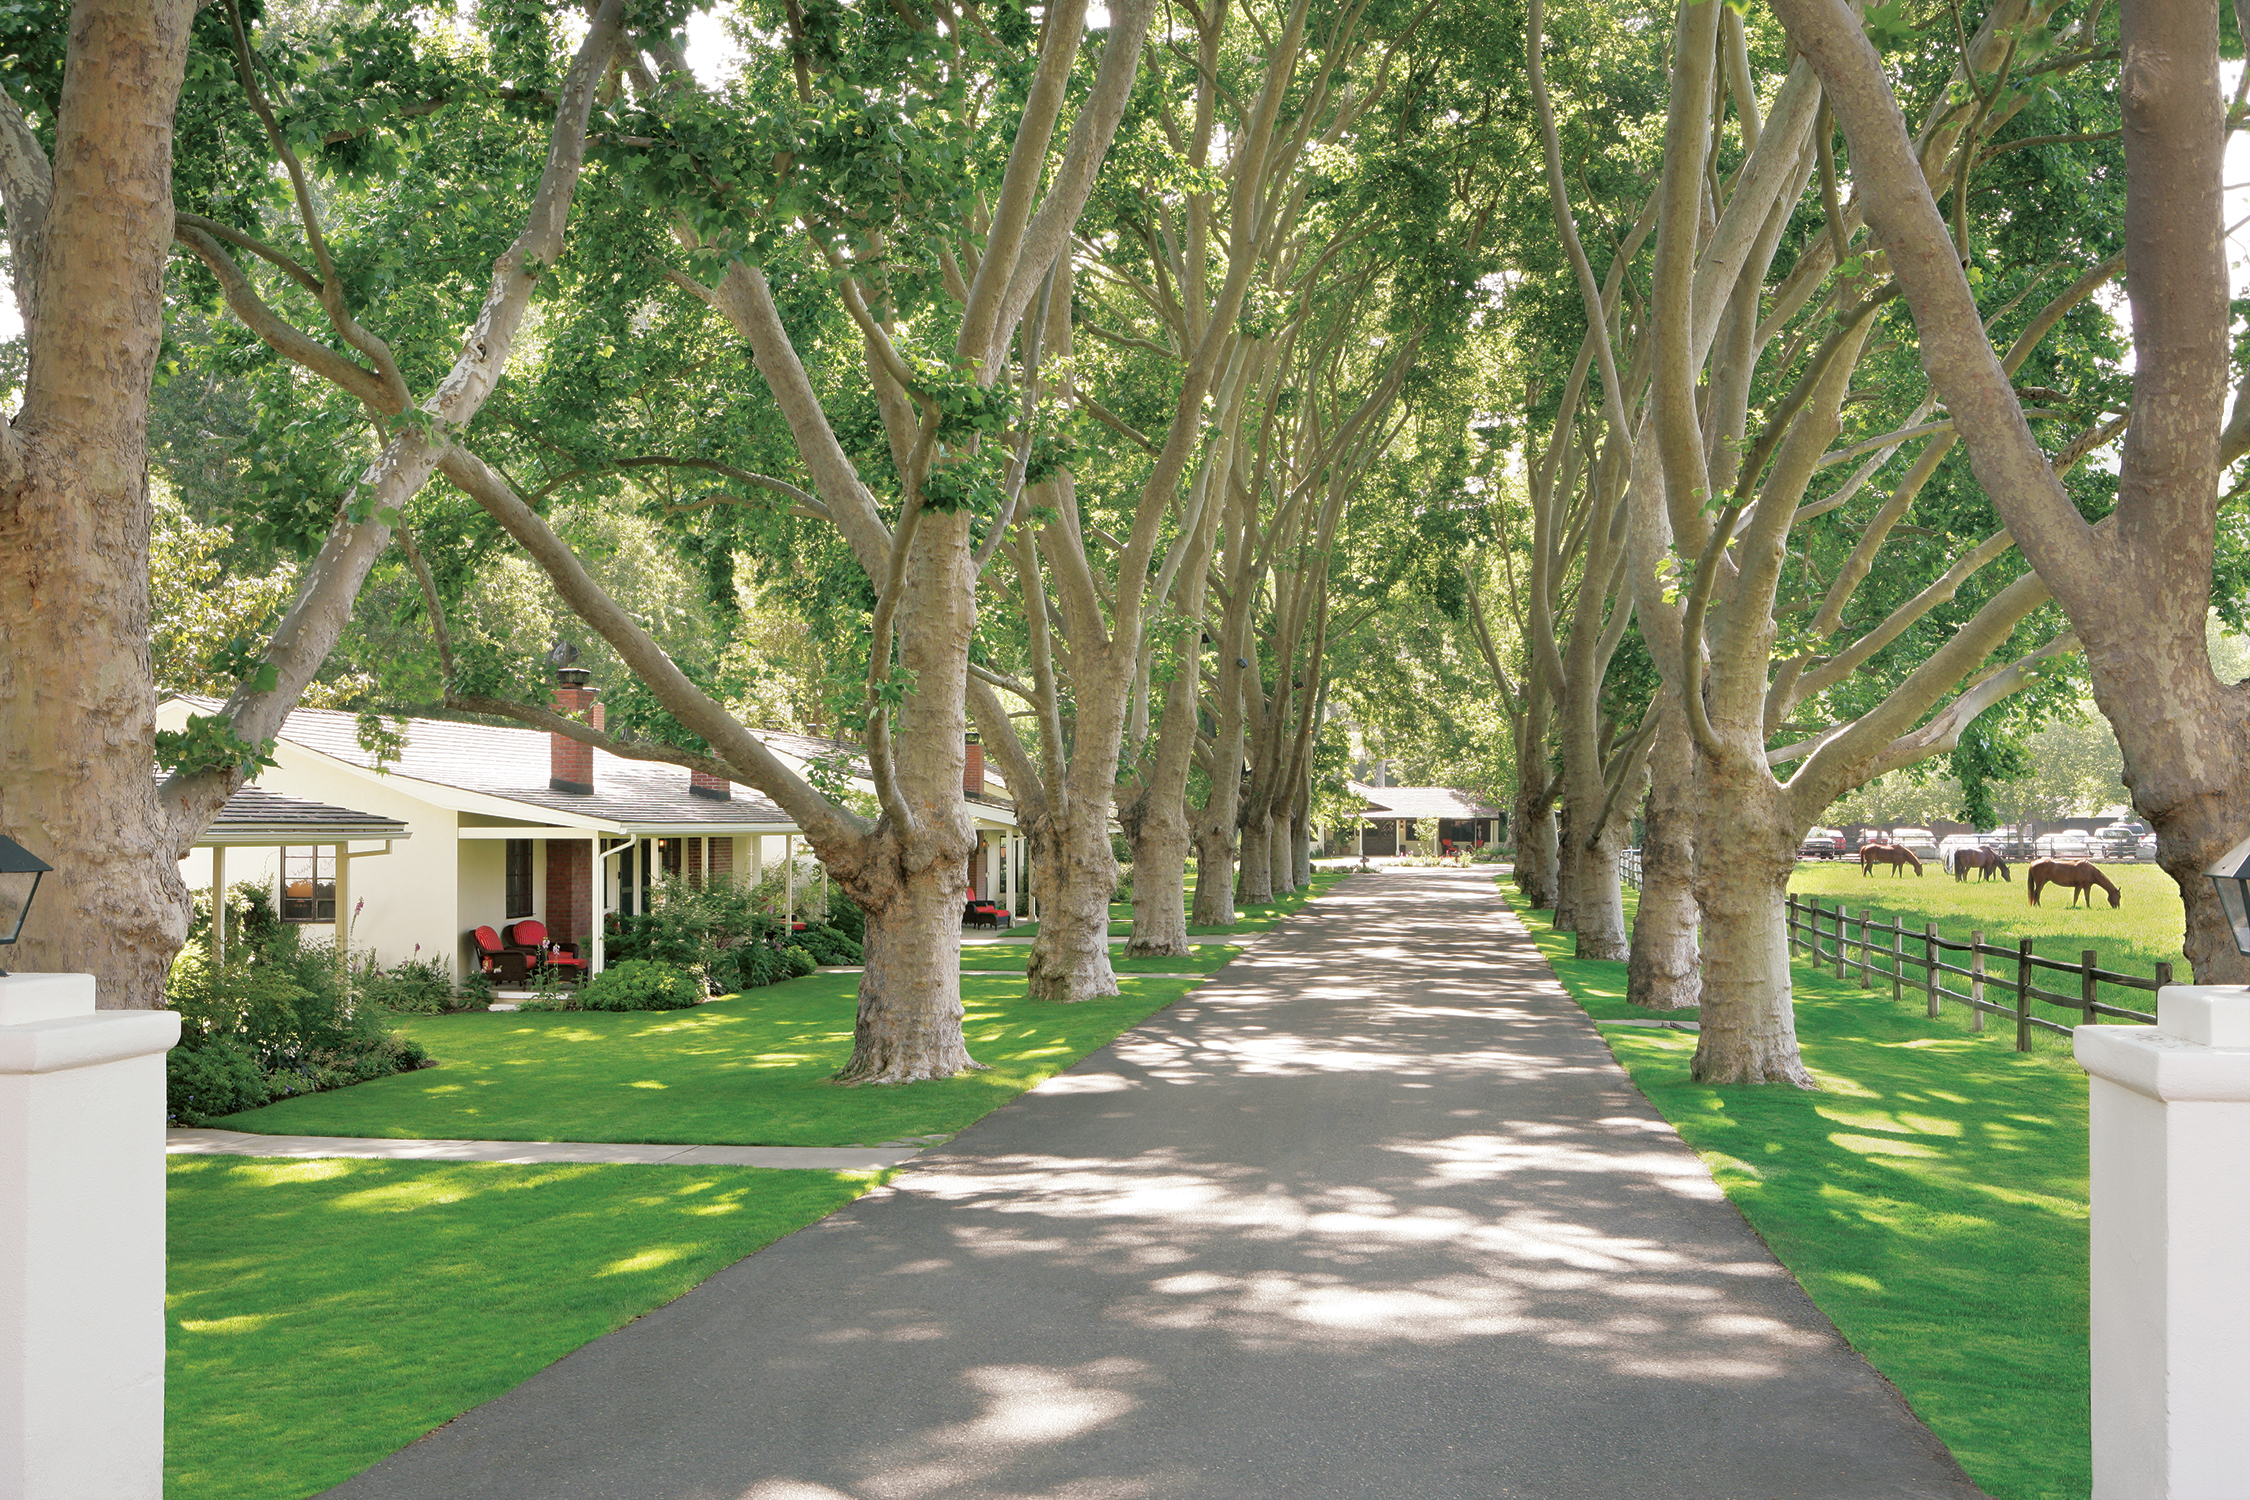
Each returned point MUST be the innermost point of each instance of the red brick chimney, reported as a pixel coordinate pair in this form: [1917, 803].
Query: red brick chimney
[570, 763]
[972, 768]
[704, 784]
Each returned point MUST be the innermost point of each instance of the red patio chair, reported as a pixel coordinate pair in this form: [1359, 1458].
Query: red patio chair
[530, 938]
[504, 964]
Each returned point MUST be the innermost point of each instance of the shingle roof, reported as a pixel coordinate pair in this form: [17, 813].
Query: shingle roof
[801, 748]
[257, 816]
[1422, 802]
[516, 763]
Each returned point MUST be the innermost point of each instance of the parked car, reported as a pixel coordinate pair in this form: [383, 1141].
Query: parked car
[1822, 843]
[2070, 843]
[1918, 840]
[2121, 840]
[2146, 853]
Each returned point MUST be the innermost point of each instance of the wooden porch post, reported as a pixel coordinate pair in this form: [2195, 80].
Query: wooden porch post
[343, 913]
[218, 906]
[597, 901]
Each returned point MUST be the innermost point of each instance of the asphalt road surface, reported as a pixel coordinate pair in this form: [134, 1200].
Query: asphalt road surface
[1371, 1216]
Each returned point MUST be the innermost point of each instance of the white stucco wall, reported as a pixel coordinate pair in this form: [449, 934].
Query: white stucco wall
[412, 893]
[482, 883]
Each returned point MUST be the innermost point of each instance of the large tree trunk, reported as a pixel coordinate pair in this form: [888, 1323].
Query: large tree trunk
[1159, 833]
[1566, 872]
[77, 720]
[1301, 844]
[1664, 970]
[1538, 844]
[1745, 850]
[1280, 857]
[1256, 879]
[1214, 874]
[909, 1025]
[1075, 880]
[1601, 896]
[913, 891]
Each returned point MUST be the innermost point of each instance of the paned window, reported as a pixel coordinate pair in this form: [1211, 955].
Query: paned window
[519, 879]
[308, 884]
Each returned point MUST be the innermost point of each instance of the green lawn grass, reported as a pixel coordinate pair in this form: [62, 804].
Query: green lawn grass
[2146, 929]
[1261, 917]
[751, 1069]
[324, 1313]
[1003, 958]
[1931, 1199]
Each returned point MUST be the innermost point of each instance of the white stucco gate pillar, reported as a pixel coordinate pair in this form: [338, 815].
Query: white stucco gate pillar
[81, 1243]
[2170, 1263]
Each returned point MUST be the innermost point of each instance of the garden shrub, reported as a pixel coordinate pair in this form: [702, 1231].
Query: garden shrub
[750, 965]
[800, 962]
[218, 1078]
[720, 930]
[845, 916]
[1124, 883]
[279, 1006]
[829, 946]
[638, 984]
[417, 985]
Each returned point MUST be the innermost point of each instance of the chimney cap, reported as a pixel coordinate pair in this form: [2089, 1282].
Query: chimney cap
[574, 676]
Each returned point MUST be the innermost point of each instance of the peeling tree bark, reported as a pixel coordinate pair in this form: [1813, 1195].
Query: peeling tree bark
[77, 711]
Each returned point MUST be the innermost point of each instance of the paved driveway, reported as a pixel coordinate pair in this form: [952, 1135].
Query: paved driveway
[1372, 1216]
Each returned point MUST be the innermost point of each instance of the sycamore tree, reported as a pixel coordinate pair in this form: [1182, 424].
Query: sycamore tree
[2137, 582]
[915, 180]
[1186, 257]
[89, 182]
[1817, 618]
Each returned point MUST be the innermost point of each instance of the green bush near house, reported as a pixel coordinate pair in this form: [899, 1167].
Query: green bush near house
[217, 1078]
[412, 986]
[724, 932]
[277, 1009]
[635, 984]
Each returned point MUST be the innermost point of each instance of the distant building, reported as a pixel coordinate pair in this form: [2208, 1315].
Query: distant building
[1394, 819]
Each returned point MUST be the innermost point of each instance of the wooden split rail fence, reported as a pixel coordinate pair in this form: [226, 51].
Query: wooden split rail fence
[1886, 950]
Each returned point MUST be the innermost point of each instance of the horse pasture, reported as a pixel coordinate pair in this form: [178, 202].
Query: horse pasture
[2144, 930]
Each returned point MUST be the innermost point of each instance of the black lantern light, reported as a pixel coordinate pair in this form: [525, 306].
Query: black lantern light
[2232, 877]
[20, 870]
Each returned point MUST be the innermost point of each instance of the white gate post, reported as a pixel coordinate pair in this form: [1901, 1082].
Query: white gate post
[2170, 1264]
[81, 1243]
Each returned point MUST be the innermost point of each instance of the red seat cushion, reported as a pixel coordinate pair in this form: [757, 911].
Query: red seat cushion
[527, 933]
[487, 939]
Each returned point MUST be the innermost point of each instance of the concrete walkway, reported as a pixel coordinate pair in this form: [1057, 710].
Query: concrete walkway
[623, 1153]
[1371, 1216]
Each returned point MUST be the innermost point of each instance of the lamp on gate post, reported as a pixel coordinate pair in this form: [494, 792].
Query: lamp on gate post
[2231, 875]
[20, 870]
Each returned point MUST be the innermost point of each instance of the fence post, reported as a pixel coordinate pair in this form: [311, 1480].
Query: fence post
[2163, 977]
[1929, 969]
[2023, 995]
[1898, 957]
[1865, 982]
[1789, 922]
[1976, 981]
[1843, 922]
[2088, 961]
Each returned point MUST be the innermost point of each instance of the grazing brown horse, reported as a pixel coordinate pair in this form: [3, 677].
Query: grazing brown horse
[1894, 855]
[1965, 860]
[2078, 876]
